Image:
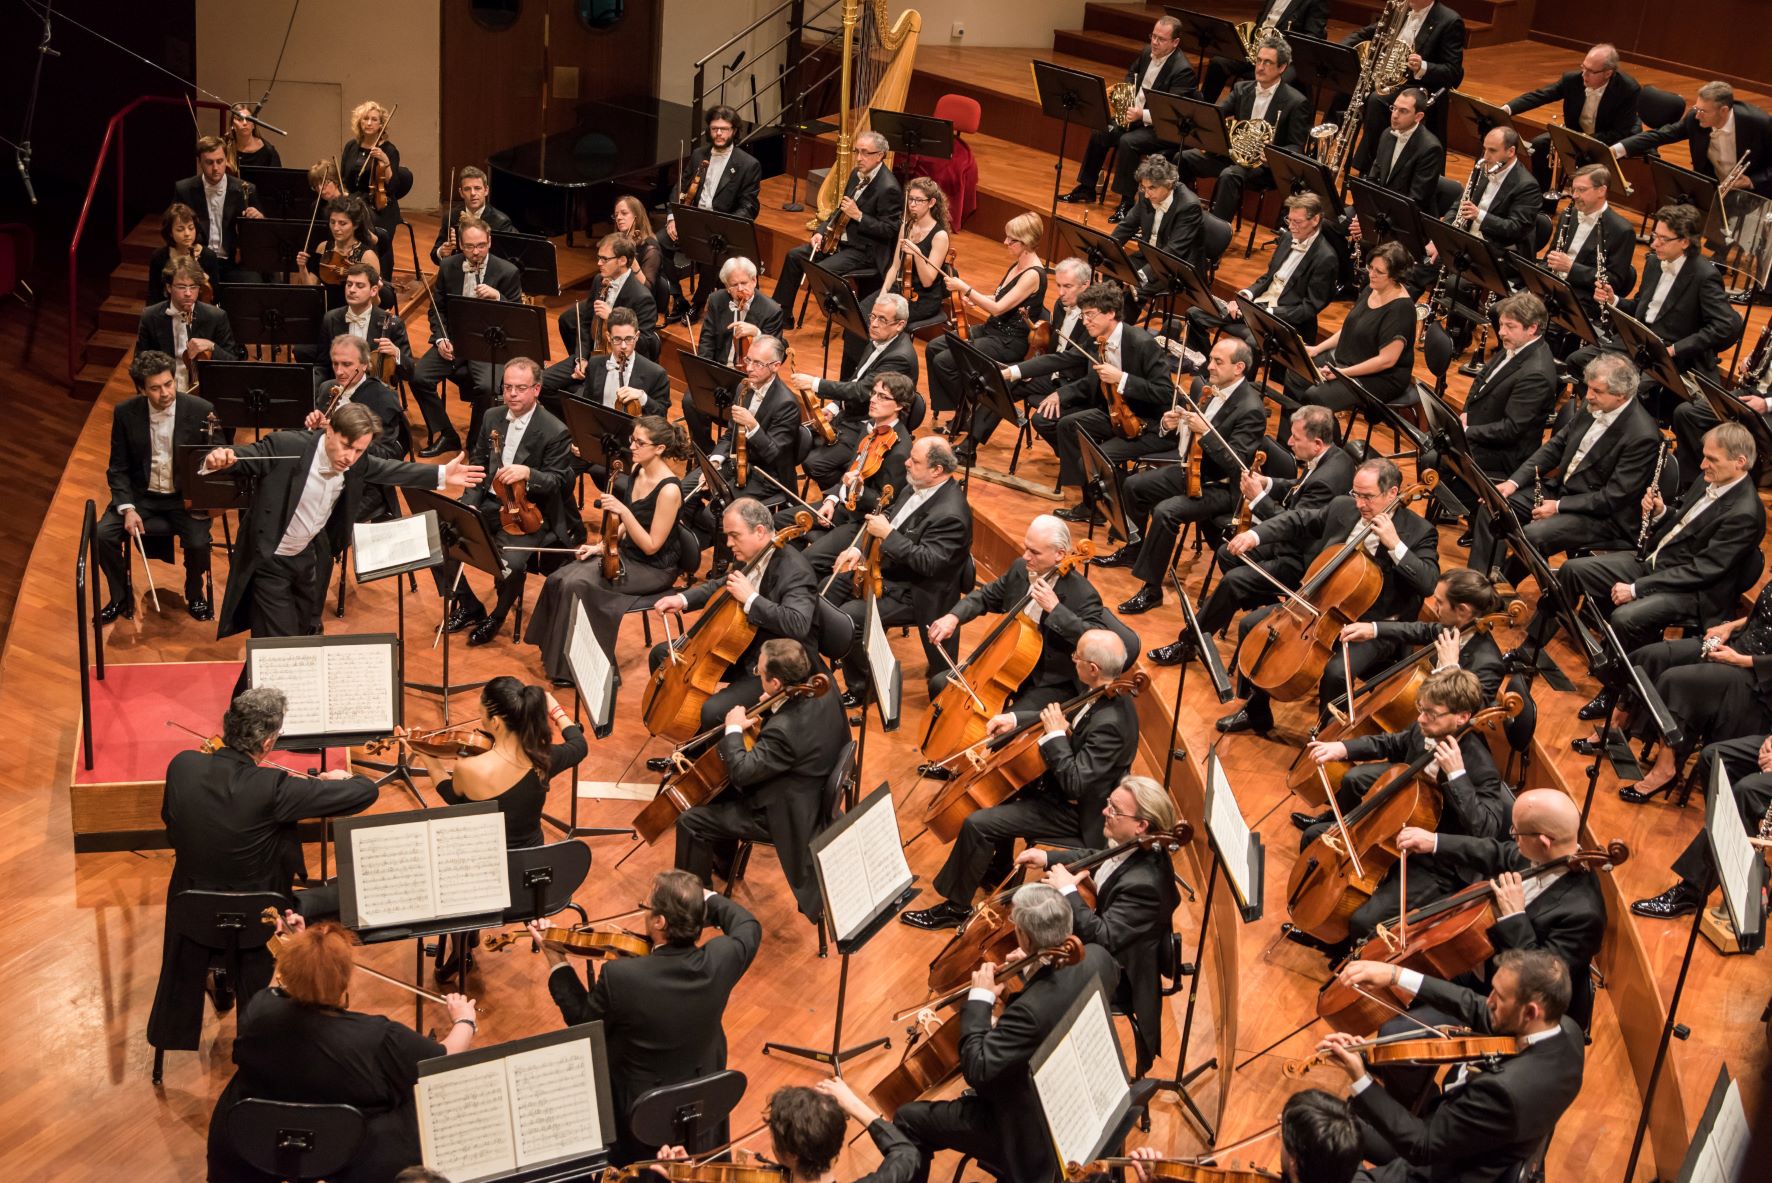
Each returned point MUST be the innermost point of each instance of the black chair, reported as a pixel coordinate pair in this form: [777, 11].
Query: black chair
[1520, 729]
[1541, 233]
[1446, 194]
[691, 1114]
[295, 1141]
[1658, 108]
[1215, 239]
[689, 562]
[1438, 350]
[834, 630]
[830, 808]
[226, 922]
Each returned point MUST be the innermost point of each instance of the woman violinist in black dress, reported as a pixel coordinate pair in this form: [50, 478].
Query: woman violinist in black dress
[649, 552]
[630, 219]
[245, 148]
[925, 250]
[349, 236]
[364, 162]
[1020, 298]
[298, 1043]
[1376, 344]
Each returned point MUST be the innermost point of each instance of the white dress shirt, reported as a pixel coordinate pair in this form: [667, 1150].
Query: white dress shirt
[914, 502]
[216, 197]
[1185, 435]
[1370, 544]
[1712, 495]
[717, 162]
[319, 493]
[1263, 100]
[1585, 224]
[472, 278]
[358, 325]
[159, 453]
[1722, 151]
[1602, 421]
[738, 311]
[1412, 25]
[1402, 142]
[514, 430]
[1590, 107]
[1663, 288]
[1270, 298]
[615, 377]
[1149, 81]
[1491, 191]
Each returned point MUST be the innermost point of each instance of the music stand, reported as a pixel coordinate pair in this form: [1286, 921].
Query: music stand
[1101, 486]
[1378, 411]
[1470, 260]
[1172, 276]
[263, 396]
[1674, 185]
[710, 386]
[1387, 217]
[1579, 150]
[1279, 343]
[268, 245]
[982, 377]
[1730, 409]
[1611, 665]
[1477, 116]
[283, 194]
[600, 433]
[465, 539]
[1320, 66]
[1645, 347]
[1448, 445]
[836, 299]
[401, 771]
[1069, 96]
[272, 313]
[1564, 306]
[1102, 252]
[708, 238]
[1295, 173]
[492, 332]
[919, 135]
[217, 492]
[536, 258]
[1191, 123]
[1213, 36]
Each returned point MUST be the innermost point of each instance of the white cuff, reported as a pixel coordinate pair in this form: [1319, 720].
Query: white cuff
[1256, 500]
[1410, 980]
[1068, 889]
[818, 385]
[126, 507]
[1633, 590]
[977, 994]
[1504, 916]
[1055, 733]
[753, 430]
[1360, 1086]
[442, 482]
[1451, 776]
[734, 729]
[1015, 373]
[749, 600]
[1121, 387]
[1399, 552]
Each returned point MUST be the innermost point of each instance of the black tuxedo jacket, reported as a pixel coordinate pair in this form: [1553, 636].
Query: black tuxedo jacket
[1309, 288]
[995, 1059]
[500, 274]
[1241, 421]
[1406, 583]
[190, 192]
[1179, 235]
[1059, 363]
[495, 221]
[774, 445]
[1176, 76]
[1480, 654]
[1440, 41]
[854, 392]
[132, 445]
[1476, 803]
[1310, 17]
[546, 447]
[1513, 215]
[1079, 609]
[1610, 482]
[1753, 132]
[154, 331]
[1148, 389]
[663, 1014]
[786, 606]
[736, 194]
[1617, 115]
[1695, 320]
[1289, 111]
[378, 398]
[1332, 477]
[1709, 554]
[1134, 914]
[927, 558]
[642, 375]
[382, 323]
[1416, 174]
[1505, 411]
[1621, 244]
[634, 296]
[716, 327]
[1567, 918]
[882, 210]
[1083, 767]
[1482, 1131]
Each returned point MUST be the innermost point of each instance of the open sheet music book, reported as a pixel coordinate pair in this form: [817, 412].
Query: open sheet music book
[1740, 868]
[488, 1113]
[1239, 847]
[1081, 1080]
[335, 686]
[888, 678]
[427, 864]
[861, 864]
[379, 549]
[591, 672]
[1719, 1149]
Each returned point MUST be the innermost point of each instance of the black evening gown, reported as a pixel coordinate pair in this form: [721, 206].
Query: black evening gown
[524, 801]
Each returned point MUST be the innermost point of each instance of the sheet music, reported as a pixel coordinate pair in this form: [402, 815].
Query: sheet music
[467, 855]
[590, 668]
[554, 1102]
[300, 673]
[1735, 855]
[883, 666]
[863, 867]
[1225, 820]
[391, 873]
[464, 1122]
[1723, 1156]
[1099, 1057]
[359, 688]
[377, 546]
[1081, 1083]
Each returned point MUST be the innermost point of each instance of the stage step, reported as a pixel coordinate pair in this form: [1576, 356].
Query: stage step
[89, 383]
[120, 313]
[109, 346]
[140, 243]
[130, 280]
[1113, 50]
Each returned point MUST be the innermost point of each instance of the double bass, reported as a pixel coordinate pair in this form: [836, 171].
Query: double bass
[696, 662]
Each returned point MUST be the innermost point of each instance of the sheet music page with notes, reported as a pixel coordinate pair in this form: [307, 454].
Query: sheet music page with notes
[1081, 1083]
[864, 866]
[1735, 855]
[391, 873]
[359, 688]
[590, 666]
[300, 673]
[554, 1102]
[379, 546]
[1225, 818]
[467, 856]
[882, 666]
[464, 1122]
[1723, 1157]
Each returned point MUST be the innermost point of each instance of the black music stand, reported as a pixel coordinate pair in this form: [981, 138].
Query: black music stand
[465, 539]
[1730, 409]
[1213, 36]
[1071, 97]
[1564, 306]
[708, 239]
[1478, 117]
[600, 433]
[1470, 261]
[1320, 66]
[1610, 664]
[1102, 486]
[1648, 351]
[919, 135]
[1579, 150]
[794, 131]
[268, 245]
[1539, 568]
[1387, 217]
[263, 396]
[1188, 122]
[1278, 344]
[1172, 276]
[492, 332]
[274, 314]
[1445, 447]
[710, 386]
[536, 259]
[1377, 412]
[982, 378]
[1104, 254]
[216, 492]
[836, 299]
[1295, 173]
[1674, 185]
[283, 193]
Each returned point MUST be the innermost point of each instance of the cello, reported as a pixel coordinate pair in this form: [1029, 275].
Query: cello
[978, 687]
[1341, 867]
[697, 780]
[696, 662]
[1340, 587]
[1008, 762]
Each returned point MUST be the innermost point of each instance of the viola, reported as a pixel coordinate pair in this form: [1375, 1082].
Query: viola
[517, 515]
[907, 268]
[1456, 1045]
[333, 265]
[1341, 868]
[378, 184]
[867, 571]
[996, 774]
[381, 365]
[980, 685]
[613, 569]
[444, 743]
[583, 942]
[209, 745]
[959, 321]
[874, 450]
[1245, 515]
[812, 412]
[1170, 1168]
[830, 230]
[1445, 938]
[696, 662]
[693, 192]
[1126, 425]
[1299, 635]
[741, 461]
[1039, 335]
[699, 780]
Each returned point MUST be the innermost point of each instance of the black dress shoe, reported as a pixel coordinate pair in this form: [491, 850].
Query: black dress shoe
[1120, 212]
[943, 915]
[1124, 557]
[1334, 952]
[1243, 719]
[1305, 821]
[935, 771]
[1082, 514]
[122, 606]
[1682, 899]
[220, 990]
[1082, 193]
[486, 631]
[464, 616]
[1178, 652]
[1631, 795]
[1598, 707]
[440, 445]
[660, 764]
[1585, 746]
[1465, 539]
[200, 608]
[851, 700]
[1143, 600]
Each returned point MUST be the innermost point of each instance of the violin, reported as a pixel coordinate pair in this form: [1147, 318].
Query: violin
[1126, 425]
[333, 393]
[907, 268]
[997, 773]
[517, 515]
[684, 1170]
[874, 450]
[980, 685]
[867, 571]
[697, 781]
[1189, 1170]
[614, 571]
[696, 662]
[959, 323]
[812, 412]
[1446, 938]
[275, 946]
[830, 230]
[333, 265]
[378, 184]
[741, 461]
[582, 942]
[443, 743]
[693, 192]
[1039, 335]
[1195, 460]
[1300, 634]
[1245, 515]
[1341, 868]
[209, 745]
[1456, 1045]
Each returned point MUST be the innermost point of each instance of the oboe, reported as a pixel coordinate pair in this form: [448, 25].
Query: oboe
[1600, 275]
[1649, 522]
[1537, 488]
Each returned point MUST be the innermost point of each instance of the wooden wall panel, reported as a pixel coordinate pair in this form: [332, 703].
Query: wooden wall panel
[1725, 39]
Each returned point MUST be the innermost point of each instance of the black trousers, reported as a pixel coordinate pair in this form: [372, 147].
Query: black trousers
[1032, 814]
[1557, 534]
[505, 587]
[893, 611]
[479, 384]
[1242, 587]
[1157, 500]
[1711, 701]
[851, 257]
[114, 545]
[708, 835]
[826, 463]
[1233, 178]
[964, 1124]
[1753, 793]
[289, 592]
[1095, 423]
[1135, 143]
[1636, 623]
[742, 689]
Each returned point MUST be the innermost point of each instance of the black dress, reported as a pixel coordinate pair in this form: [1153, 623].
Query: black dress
[350, 164]
[289, 1051]
[263, 156]
[523, 802]
[550, 626]
[1367, 331]
[1003, 338]
[1711, 701]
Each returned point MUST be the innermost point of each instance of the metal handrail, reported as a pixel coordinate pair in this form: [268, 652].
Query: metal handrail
[98, 170]
[84, 563]
[727, 44]
[798, 22]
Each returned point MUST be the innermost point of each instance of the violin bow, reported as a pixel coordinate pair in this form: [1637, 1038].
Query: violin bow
[764, 473]
[1286, 593]
[954, 672]
[1210, 429]
[1340, 822]
[141, 550]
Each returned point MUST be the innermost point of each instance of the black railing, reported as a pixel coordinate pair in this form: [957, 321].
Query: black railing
[86, 609]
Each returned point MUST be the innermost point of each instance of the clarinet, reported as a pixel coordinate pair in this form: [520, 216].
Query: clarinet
[1600, 276]
[1648, 522]
[1538, 487]
[1439, 288]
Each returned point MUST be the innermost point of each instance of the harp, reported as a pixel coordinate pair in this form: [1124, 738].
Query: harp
[868, 80]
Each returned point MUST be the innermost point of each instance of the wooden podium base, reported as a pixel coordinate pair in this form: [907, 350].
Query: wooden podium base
[1719, 930]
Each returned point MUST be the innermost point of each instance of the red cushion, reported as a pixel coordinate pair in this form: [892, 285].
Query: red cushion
[961, 111]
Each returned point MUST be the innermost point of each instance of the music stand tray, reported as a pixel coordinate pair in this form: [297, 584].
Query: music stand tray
[1727, 407]
[1387, 217]
[1191, 123]
[1473, 260]
[216, 492]
[600, 434]
[709, 239]
[1179, 278]
[1279, 342]
[983, 377]
[1645, 347]
[1101, 484]
[263, 396]
[1073, 97]
[1103, 254]
[1295, 174]
[1559, 298]
[710, 385]
[536, 258]
[268, 245]
[272, 313]
[283, 193]
[1579, 150]
[919, 135]
[1323, 65]
[1213, 36]
[836, 299]
[492, 332]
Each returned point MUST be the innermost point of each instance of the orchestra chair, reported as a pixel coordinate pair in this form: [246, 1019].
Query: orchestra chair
[1447, 192]
[225, 922]
[1438, 351]
[1519, 730]
[689, 552]
[830, 808]
[160, 543]
[1215, 239]
[295, 1141]
[1657, 108]
[691, 1114]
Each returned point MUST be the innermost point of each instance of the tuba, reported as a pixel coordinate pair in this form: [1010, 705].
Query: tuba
[1249, 141]
[1120, 98]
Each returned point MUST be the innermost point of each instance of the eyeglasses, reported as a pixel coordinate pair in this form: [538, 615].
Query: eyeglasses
[624, 339]
[918, 198]
[520, 386]
[758, 363]
[1658, 236]
[882, 318]
[606, 258]
[1513, 833]
[1111, 811]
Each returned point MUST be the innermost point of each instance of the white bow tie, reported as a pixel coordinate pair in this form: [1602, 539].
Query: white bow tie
[615, 367]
